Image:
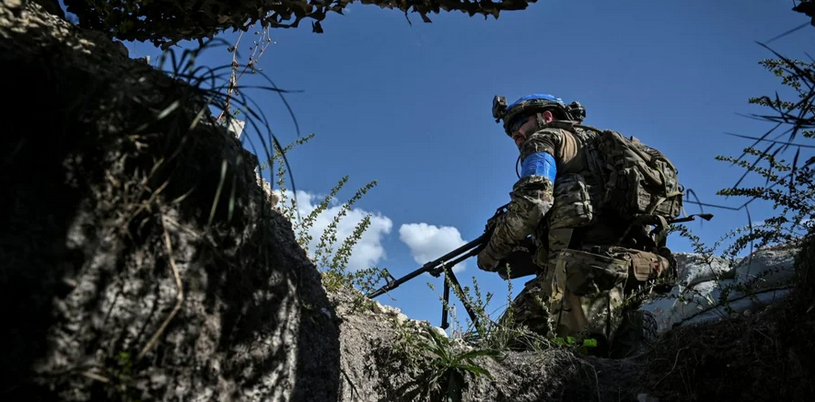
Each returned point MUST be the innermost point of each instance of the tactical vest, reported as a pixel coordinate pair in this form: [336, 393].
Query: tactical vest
[573, 208]
[637, 179]
[626, 178]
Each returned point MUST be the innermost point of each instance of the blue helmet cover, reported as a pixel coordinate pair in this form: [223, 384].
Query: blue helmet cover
[534, 101]
[546, 97]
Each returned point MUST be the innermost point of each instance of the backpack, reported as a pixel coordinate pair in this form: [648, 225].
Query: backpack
[637, 179]
[641, 180]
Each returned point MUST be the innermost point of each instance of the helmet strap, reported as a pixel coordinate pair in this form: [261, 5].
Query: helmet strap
[539, 120]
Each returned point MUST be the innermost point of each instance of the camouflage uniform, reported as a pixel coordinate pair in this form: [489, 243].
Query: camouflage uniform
[584, 277]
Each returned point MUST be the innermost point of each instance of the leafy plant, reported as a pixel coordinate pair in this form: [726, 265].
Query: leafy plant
[501, 334]
[451, 368]
[331, 254]
[582, 346]
[787, 185]
[446, 372]
[169, 22]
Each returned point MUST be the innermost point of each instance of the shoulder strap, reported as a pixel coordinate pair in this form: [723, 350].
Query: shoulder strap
[570, 125]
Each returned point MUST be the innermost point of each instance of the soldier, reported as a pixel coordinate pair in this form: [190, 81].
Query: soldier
[592, 247]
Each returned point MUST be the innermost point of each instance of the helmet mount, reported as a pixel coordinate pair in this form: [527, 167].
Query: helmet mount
[534, 103]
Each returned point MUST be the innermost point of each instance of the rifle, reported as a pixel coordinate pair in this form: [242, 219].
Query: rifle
[656, 237]
[520, 260]
[444, 265]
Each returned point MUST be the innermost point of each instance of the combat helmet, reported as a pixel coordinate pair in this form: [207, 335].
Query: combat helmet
[532, 104]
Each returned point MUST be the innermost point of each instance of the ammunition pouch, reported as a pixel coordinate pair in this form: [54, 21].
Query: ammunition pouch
[590, 273]
[572, 207]
[646, 266]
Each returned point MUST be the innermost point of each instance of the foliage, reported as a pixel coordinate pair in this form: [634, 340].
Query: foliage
[167, 22]
[806, 7]
[788, 185]
[798, 115]
[449, 369]
[581, 346]
[330, 257]
[486, 332]
[258, 47]
[444, 365]
[782, 336]
[331, 254]
[791, 192]
[209, 89]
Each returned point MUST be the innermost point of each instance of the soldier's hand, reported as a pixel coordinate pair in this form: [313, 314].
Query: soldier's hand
[486, 262]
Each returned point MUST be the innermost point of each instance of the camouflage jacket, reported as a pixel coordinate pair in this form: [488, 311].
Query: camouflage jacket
[546, 156]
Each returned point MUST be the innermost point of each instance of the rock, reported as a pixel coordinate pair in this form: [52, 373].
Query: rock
[439, 331]
[401, 318]
[326, 312]
[95, 235]
[121, 48]
[51, 6]
[392, 311]
[377, 307]
[271, 196]
[236, 127]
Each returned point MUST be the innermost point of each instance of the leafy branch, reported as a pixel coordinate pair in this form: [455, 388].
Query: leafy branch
[165, 23]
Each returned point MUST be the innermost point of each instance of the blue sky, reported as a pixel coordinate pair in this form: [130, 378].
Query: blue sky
[409, 106]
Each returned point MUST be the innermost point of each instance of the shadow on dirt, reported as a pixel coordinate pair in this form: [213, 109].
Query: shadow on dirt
[102, 214]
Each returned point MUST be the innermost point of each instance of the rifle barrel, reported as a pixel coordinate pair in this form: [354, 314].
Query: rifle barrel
[477, 242]
[433, 267]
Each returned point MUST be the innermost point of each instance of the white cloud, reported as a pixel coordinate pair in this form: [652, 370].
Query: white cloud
[366, 253]
[428, 242]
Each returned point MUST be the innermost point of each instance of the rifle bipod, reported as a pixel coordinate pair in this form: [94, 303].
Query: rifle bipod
[437, 267]
[444, 265]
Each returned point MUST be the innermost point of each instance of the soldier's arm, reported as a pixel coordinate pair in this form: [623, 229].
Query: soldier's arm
[531, 196]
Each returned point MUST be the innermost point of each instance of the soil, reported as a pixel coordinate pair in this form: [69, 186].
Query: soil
[767, 356]
[134, 269]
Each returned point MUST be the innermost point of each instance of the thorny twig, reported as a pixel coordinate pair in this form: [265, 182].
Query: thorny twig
[94, 376]
[179, 295]
[676, 360]
[263, 43]
[765, 335]
[596, 383]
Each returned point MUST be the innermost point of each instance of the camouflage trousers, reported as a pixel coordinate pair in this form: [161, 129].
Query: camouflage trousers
[590, 288]
[530, 307]
[587, 293]
[582, 293]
